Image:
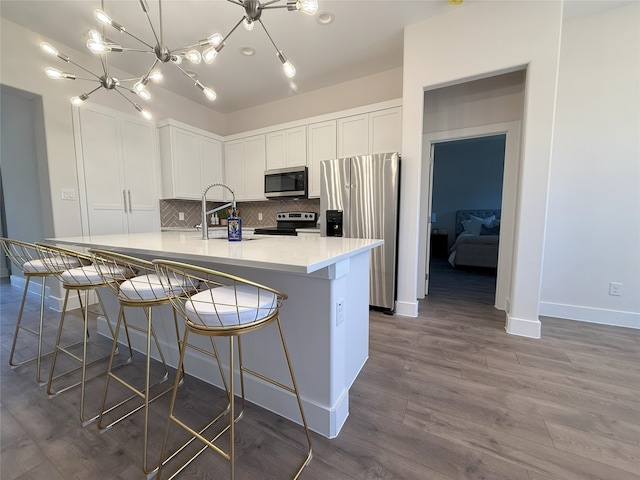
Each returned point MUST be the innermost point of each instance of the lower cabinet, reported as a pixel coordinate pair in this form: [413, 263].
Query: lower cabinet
[118, 165]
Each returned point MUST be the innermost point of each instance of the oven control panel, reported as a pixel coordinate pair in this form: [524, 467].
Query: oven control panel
[297, 216]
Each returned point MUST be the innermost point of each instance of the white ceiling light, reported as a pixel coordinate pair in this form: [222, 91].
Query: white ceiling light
[252, 12]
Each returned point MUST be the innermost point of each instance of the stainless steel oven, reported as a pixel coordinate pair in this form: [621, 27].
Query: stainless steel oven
[287, 222]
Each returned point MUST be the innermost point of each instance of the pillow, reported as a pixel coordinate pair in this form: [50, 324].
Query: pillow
[492, 229]
[474, 224]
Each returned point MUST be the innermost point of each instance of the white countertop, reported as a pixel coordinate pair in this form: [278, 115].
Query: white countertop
[301, 254]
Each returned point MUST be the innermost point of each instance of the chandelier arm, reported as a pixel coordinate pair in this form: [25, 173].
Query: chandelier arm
[81, 67]
[236, 2]
[94, 90]
[232, 30]
[183, 71]
[139, 39]
[135, 105]
[267, 5]
[271, 39]
[156, 61]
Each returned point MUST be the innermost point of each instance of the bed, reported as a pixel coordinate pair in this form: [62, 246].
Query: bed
[477, 238]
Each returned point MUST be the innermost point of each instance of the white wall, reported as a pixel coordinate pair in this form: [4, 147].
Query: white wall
[513, 35]
[593, 220]
[362, 91]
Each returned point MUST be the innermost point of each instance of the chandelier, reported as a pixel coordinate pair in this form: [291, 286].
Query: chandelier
[101, 45]
[252, 13]
[104, 80]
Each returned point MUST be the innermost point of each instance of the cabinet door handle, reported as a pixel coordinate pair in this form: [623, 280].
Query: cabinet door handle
[130, 209]
[124, 199]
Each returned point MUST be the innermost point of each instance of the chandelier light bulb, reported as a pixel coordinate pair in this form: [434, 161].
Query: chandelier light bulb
[53, 73]
[95, 35]
[106, 20]
[47, 48]
[248, 24]
[97, 46]
[215, 39]
[177, 59]
[194, 56]
[77, 101]
[102, 17]
[209, 55]
[155, 76]
[144, 93]
[144, 113]
[209, 93]
[310, 7]
[289, 69]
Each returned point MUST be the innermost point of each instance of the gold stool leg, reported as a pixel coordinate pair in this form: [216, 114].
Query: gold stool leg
[82, 360]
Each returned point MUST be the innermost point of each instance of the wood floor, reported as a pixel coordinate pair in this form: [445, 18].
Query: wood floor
[444, 396]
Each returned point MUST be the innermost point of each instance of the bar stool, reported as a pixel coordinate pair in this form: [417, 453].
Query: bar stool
[84, 278]
[25, 257]
[138, 287]
[224, 306]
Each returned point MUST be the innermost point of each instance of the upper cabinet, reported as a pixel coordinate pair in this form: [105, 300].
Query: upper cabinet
[244, 161]
[321, 146]
[286, 148]
[375, 132]
[118, 171]
[191, 159]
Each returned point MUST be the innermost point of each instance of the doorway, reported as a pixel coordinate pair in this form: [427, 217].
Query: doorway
[467, 177]
[23, 168]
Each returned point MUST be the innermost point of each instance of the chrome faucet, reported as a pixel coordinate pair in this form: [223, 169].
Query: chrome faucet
[232, 204]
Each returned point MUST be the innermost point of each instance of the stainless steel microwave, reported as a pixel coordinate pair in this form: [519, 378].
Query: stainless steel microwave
[286, 182]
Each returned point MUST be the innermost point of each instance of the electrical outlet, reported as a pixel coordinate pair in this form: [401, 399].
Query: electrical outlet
[615, 289]
[260, 217]
[339, 312]
[180, 215]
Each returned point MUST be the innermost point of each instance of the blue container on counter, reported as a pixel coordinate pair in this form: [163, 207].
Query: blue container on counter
[234, 229]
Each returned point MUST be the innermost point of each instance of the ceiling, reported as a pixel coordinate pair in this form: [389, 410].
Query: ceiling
[365, 37]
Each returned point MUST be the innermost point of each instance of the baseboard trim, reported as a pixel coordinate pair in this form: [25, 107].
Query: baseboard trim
[523, 327]
[601, 316]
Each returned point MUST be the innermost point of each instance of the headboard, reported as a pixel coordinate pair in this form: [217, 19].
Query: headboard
[462, 215]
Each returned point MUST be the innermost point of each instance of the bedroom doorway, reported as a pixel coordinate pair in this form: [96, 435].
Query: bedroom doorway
[467, 179]
[511, 134]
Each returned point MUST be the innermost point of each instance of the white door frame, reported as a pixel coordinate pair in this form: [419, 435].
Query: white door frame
[509, 199]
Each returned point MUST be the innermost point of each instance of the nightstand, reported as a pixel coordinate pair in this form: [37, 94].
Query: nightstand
[439, 244]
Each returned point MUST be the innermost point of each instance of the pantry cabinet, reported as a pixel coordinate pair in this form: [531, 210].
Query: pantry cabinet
[118, 171]
[191, 159]
[286, 148]
[244, 161]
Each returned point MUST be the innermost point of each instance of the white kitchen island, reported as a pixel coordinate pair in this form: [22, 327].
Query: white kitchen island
[325, 319]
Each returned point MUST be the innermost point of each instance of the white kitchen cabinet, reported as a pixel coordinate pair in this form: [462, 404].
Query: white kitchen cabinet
[191, 159]
[244, 161]
[118, 165]
[375, 132]
[321, 146]
[286, 148]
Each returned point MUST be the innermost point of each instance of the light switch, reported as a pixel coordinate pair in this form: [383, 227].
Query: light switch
[68, 194]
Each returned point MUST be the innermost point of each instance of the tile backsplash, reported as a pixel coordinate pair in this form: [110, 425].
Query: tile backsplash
[249, 211]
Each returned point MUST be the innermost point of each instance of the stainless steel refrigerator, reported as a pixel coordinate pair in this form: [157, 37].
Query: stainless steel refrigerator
[359, 198]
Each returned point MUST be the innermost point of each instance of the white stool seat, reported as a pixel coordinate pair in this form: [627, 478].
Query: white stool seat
[149, 287]
[230, 305]
[90, 275]
[38, 266]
